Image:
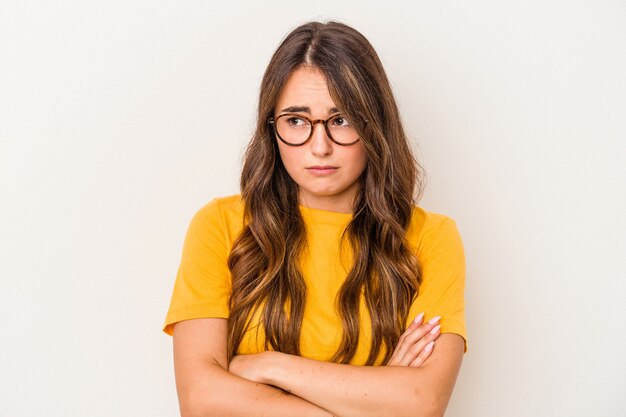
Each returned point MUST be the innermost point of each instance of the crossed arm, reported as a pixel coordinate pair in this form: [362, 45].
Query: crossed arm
[274, 384]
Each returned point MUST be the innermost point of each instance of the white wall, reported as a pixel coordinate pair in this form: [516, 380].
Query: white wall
[118, 120]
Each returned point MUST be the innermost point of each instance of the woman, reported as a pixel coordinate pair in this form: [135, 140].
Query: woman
[322, 289]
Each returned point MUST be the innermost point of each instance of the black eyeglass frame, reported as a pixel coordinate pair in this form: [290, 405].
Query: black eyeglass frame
[312, 123]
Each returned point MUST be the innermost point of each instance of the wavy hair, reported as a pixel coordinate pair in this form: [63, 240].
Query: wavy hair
[264, 258]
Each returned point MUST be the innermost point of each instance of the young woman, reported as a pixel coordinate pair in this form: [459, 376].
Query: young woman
[322, 289]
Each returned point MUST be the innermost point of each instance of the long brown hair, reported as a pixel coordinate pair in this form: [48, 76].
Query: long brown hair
[264, 257]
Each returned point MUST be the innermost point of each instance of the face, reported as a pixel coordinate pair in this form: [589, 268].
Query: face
[326, 173]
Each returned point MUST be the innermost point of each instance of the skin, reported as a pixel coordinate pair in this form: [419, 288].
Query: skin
[277, 384]
[306, 87]
[418, 379]
[415, 382]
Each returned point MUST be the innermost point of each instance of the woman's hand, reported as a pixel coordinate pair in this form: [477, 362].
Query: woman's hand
[251, 367]
[416, 343]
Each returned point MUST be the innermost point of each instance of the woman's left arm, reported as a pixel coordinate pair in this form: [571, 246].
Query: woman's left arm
[362, 391]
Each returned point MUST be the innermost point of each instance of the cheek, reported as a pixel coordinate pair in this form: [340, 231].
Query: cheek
[289, 157]
[359, 161]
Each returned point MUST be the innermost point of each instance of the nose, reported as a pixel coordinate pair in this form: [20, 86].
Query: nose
[320, 143]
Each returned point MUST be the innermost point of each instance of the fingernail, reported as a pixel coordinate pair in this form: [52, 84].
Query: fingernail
[429, 346]
[435, 329]
[434, 320]
[419, 318]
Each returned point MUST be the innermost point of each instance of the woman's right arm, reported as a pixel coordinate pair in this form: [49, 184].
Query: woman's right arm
[206, 388]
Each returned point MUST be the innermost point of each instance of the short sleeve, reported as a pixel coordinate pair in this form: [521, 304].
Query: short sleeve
[203, 282]
[442, 259]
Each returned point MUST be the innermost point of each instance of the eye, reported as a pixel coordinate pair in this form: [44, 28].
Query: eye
[296, 121]
[340, 121]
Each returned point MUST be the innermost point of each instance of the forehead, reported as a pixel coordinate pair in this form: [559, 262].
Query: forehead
[306, 87]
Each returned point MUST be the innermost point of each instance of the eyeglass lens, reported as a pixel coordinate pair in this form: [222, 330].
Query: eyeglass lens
[296, 129]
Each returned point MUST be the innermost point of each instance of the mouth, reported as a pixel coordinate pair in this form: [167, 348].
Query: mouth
[322, 170]
[322, 167]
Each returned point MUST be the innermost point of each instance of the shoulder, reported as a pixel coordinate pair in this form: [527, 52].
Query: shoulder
[226, 208]
[225, 204]
[429, 228]
[223, 214]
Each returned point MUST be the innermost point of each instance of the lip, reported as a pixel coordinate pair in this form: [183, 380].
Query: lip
[322, 170]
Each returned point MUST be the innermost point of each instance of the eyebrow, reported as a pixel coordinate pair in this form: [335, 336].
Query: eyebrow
[305, 109]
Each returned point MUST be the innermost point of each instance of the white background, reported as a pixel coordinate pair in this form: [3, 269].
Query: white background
[118, 120]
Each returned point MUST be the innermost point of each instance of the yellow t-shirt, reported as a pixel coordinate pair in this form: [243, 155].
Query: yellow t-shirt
[202, 284]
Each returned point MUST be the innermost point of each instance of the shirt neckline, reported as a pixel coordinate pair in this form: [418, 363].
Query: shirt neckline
[319, 216]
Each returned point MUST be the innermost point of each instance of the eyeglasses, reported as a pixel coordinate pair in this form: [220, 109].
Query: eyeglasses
[296, 130]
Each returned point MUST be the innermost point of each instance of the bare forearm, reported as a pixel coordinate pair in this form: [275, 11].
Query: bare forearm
[363, 391]
[224, 394]
[350, 390]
